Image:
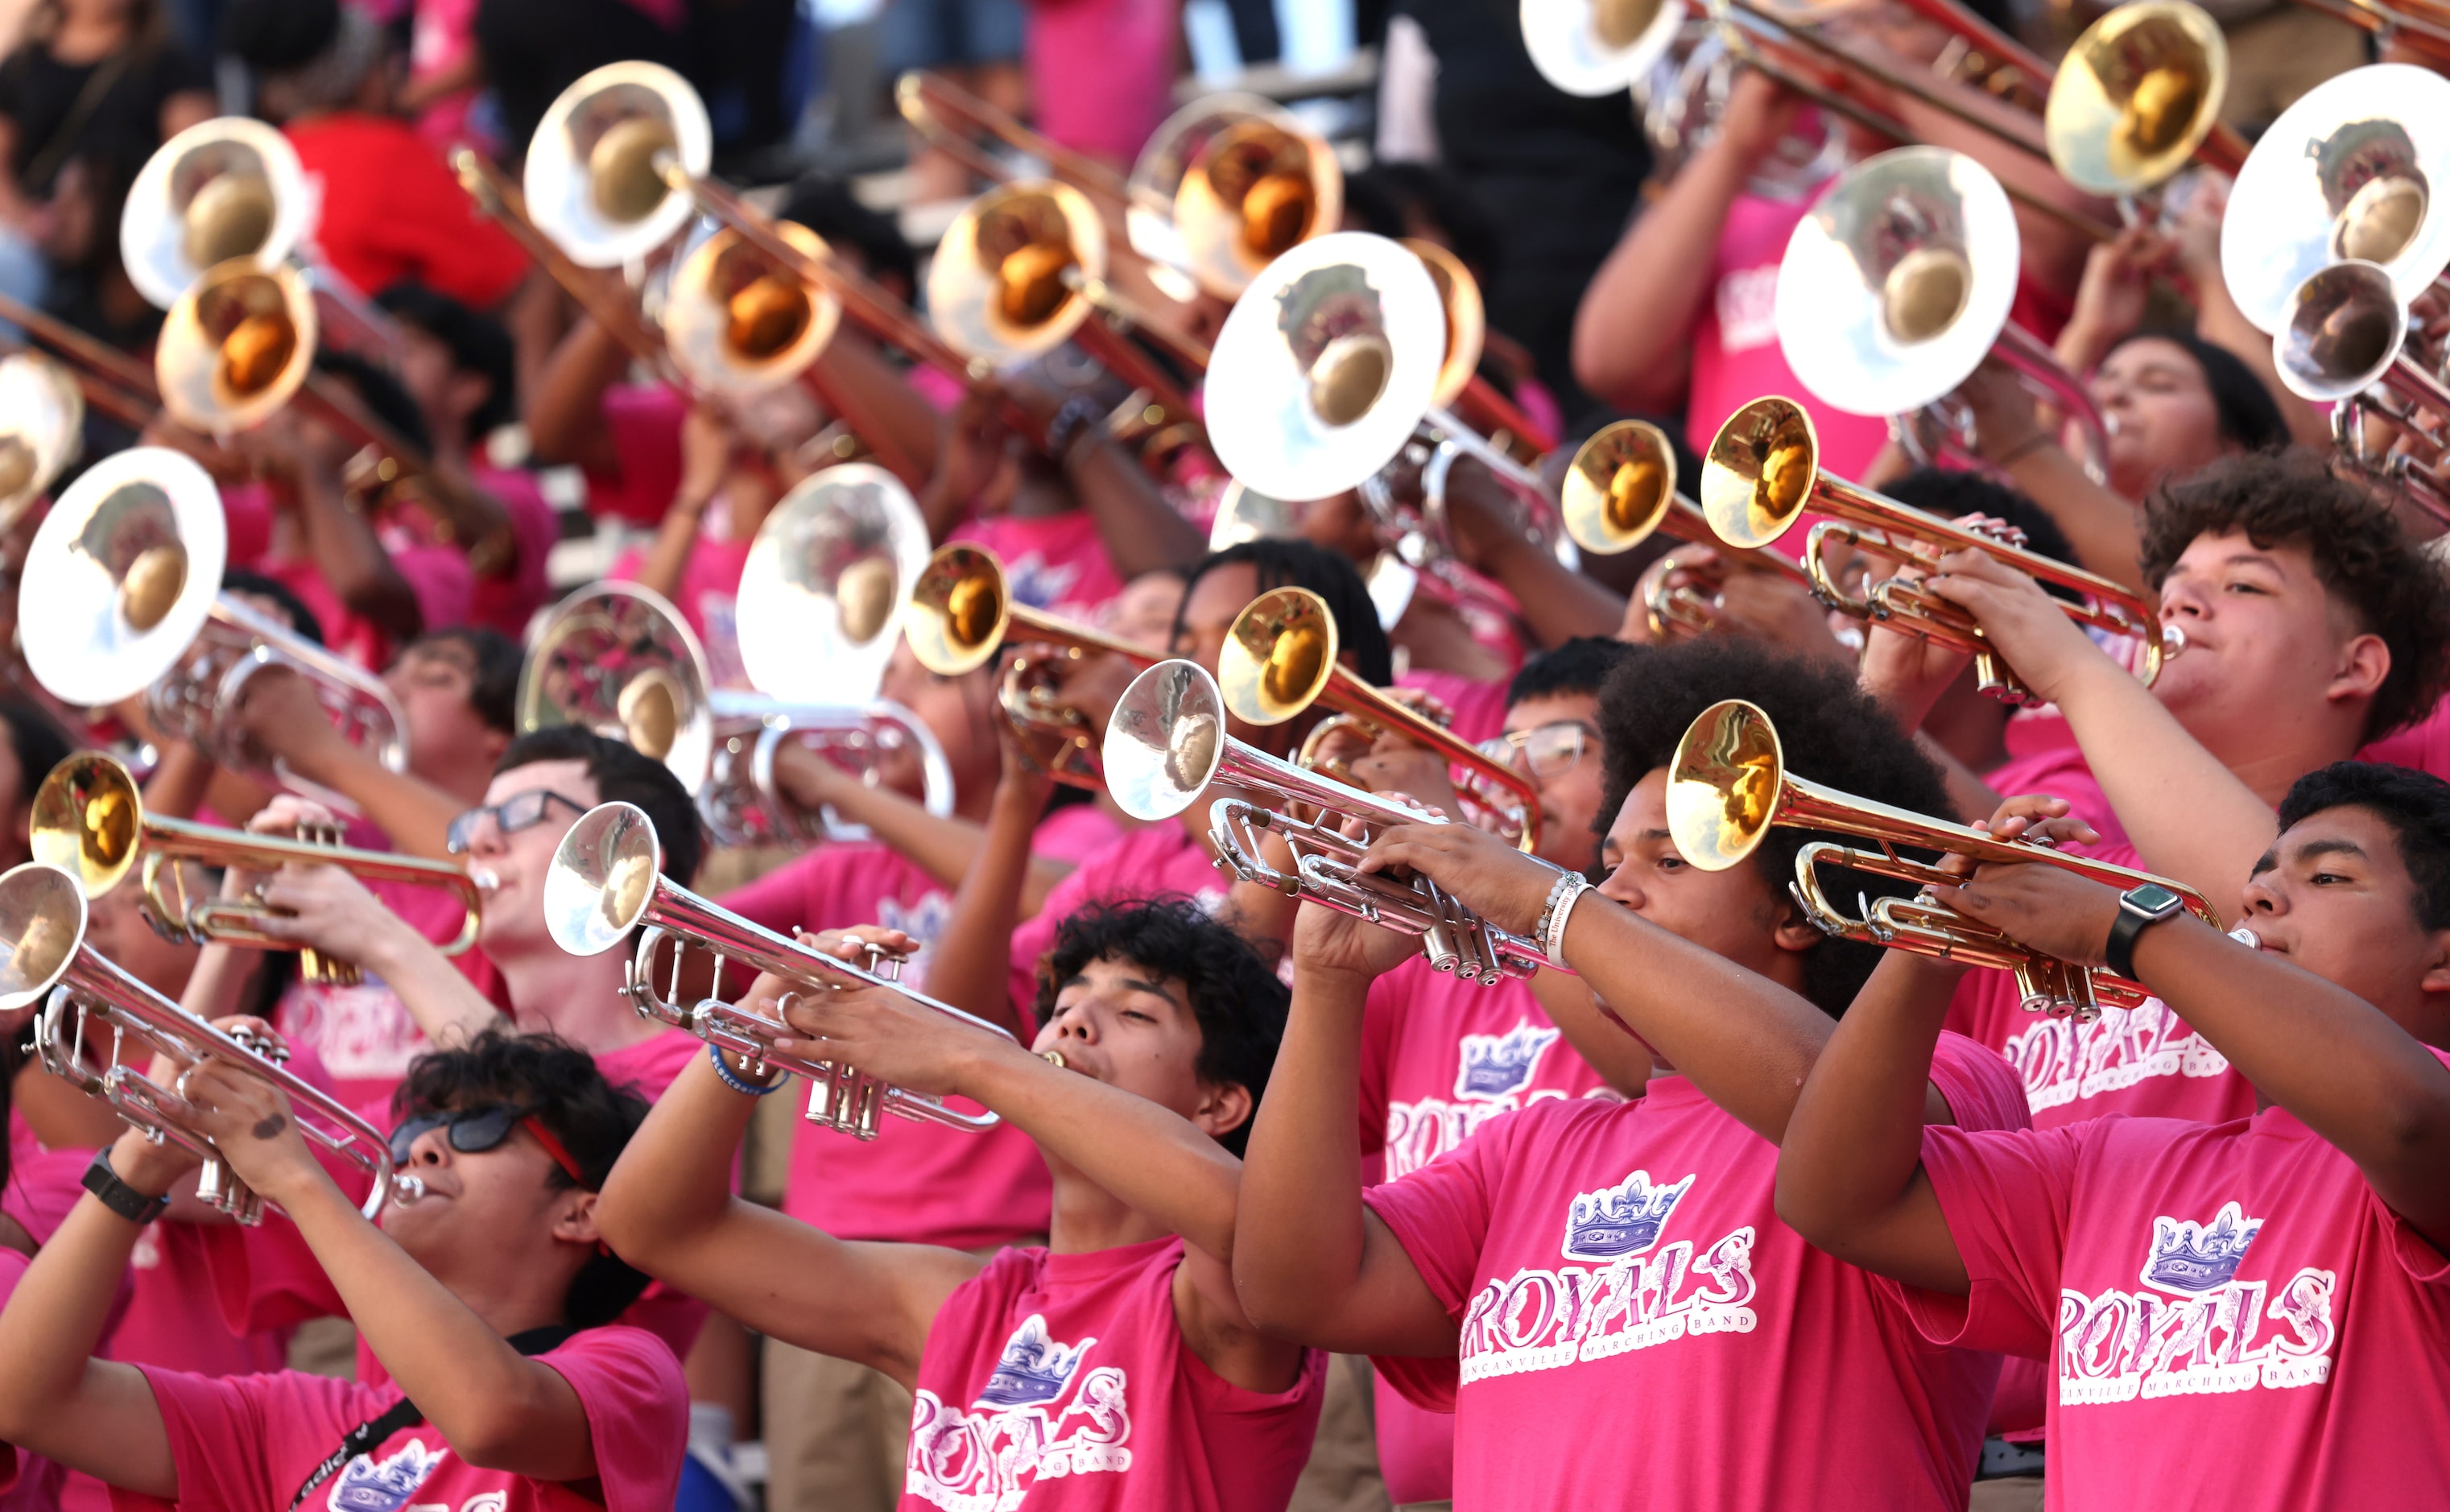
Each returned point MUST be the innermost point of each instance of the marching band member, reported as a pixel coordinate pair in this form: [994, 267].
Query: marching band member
[489, 1304]
[2246, 1313]
[1681, 1304]
[1114, 1367]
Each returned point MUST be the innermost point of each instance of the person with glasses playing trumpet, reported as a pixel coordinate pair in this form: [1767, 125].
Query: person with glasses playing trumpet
[1578, 1266]
[2246, 1314]
[489, 1304]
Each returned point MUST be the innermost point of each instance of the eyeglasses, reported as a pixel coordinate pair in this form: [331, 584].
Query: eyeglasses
[512, 814]
[1548, 750]
[474, 1131]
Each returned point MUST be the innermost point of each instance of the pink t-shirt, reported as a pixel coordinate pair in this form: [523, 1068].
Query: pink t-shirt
[1156, 861]
[1099, 73]
[2231, 1317]
[2060, 772]
[438, 576]
[248, 1442]
[1062, 1380]
[28, 1482]
[2143, 1062]
[507, 603]
[2424, 745]
[43, 1186]
[1439, 1058]
[644, 424]
[915, 1183]
[1718, 1361]
[1479, 708]
[1054, 562]
[709, 597]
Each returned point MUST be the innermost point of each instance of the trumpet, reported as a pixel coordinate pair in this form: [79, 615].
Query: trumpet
[1226, 185]
[1621, 488]
[89, 818]
[45, 952]
[1279, 658]
[1763, 471]
[1896, 287]
[603, 883]
[962, 611]
[2346, 344]
[1728, 785]
[743, 803]
[1167, 745]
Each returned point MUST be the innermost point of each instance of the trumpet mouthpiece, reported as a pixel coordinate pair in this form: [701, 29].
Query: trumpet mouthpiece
[406, 1192]
[628, 182]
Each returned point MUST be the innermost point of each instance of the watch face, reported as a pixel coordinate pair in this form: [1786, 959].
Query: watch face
[2151, 898]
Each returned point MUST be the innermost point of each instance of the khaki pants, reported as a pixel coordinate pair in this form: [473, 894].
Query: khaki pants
[2013, 1493]
[1342, 1475]
[836, 1433]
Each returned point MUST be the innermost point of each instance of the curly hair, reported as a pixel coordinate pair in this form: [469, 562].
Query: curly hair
[1239, 1004]
[567, 1092]
[1300, 564]
[622, 774]
[2365, 561]
[2415, 805]
[1843, 739]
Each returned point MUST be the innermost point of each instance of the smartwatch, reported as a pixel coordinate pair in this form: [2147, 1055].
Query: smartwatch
[2139, 909]
[118, 1195]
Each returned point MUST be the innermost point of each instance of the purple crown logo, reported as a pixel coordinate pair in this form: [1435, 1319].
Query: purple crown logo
[2192, 1257]
[1037, 582]
[366, 1485]
[1034, 1369]
[1621, 1220]
[1502, 1065]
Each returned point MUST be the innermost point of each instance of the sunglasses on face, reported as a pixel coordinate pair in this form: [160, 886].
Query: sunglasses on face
[1548, 750]
[512, 814]
[474, 1131]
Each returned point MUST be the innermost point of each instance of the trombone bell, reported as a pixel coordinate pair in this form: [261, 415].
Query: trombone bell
[598, 168]
[236, 347]
[222, 190]
[2136, 96]
[1592, 48]
[1004, 285]
[1253, 192]
[737, 322]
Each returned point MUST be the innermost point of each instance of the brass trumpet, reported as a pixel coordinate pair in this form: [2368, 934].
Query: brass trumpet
[962, 611]
[604, 884]
[1167, 745]
[1729, 784]
[1279, 658]
[89, 819]
[42, 950]
[1620, 489]
[1763, 471]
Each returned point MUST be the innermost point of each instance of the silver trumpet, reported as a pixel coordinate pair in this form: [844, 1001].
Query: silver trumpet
[743, 804]
[2346, 342]
[1167, 742]
[42, 950]
[604, 884]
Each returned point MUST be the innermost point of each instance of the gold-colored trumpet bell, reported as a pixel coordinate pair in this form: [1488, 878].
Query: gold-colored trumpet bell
[959, 611]
[236, 347]
[1619, 486]
[1007, 279]
[2136, 95]
[737, 321]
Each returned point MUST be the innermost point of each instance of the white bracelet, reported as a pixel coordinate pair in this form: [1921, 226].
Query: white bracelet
[1560, 907]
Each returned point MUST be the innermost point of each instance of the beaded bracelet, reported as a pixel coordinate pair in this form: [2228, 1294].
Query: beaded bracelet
[1563, 895]
[739, 1084]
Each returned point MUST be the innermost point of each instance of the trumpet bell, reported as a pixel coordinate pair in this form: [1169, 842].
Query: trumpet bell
[1466, 318]
[1157, 172]
[618, 659]
[596, 177]
[1724, 784]
[1256, 190]
[1894, 287]
[42, 924]
[824, 585]
[1277, 656]
[2345, 172]
[88, 821]
[1165, 740]
[224, 189]
[121, 575]
[1621, 484]
[42, 429]
[958, 609]
[738, 322]
[1597, 46]
[1003, 285]
[1324, 366]
[2346, 329]
[237, 347]
[602, 878]
[2136, 96]
[1758, 472]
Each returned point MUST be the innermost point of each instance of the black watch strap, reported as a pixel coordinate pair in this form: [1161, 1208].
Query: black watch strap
[2133, 918]
[118, 1195]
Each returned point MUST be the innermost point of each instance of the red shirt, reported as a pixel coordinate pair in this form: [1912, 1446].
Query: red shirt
[2231, 1316]
[1640, 1330]
[246, 1443]
[1062, 1380]
[392, 211]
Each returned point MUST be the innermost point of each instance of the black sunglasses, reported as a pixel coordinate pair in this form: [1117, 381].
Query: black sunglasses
[474, 1131]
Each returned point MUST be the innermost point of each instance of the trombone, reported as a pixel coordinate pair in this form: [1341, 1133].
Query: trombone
[963, 611]
[953, 120]
[1279, 658]
[1226, 185]
[1763, 471]
[604, 884]
[1620, 489]
[43, 949]
[89, 819]
[1167, 745]
[1728, 785]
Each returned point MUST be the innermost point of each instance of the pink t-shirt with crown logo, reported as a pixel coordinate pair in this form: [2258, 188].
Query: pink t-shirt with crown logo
[1063, 1381]
[1640, 1330]
[244, 1443]
[2231, 1317]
